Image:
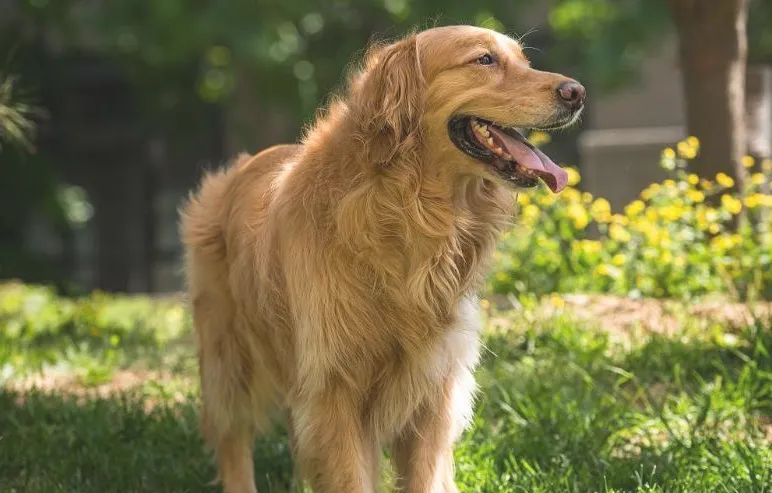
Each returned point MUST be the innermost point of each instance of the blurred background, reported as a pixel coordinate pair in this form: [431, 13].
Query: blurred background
[110, 110]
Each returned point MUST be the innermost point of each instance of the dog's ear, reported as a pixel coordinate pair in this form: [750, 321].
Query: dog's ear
[388, 101]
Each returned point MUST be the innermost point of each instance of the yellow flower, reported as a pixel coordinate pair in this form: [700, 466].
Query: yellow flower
[578, 215]
[586, 197]
[523, 199]
[754, 200]
[693, 142]
[485, 304]
[618, 233]
[547, 199]
[601, 270]
[557, 300]
[693, 179]
[649, 192]
[634, 208]
[665, 241]
[679, 261]
[724, 180]
[748, 161]
[618, 259]
[530, 213]
[601, 210]
[695, 196]
[572, 195]
[731, 203]
[666, 257]
[620, 219]
[573, 177]
[714, 228]
[757, 179]
[671, 213]
[686, 151]
[668, 153]
[726, 242]
[669, 184]
[706, 184]
[590, 247]
[706, 217]
[539, 138]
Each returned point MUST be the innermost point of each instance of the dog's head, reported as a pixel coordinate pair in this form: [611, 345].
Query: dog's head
[459, 94]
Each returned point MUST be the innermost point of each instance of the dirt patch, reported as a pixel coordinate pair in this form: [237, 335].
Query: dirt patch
[623, 316]
[121, 382]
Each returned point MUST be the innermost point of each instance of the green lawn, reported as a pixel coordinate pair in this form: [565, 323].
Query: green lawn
[565, 406]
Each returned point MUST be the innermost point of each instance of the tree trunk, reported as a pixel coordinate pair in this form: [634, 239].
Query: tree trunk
[713, 54]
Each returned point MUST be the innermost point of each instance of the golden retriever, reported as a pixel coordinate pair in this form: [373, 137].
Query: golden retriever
[333, 282]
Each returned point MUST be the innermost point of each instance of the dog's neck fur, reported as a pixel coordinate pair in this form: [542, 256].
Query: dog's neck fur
[414, 225]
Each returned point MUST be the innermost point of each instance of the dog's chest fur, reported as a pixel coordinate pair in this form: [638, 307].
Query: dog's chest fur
[403, 382]
[391, 319]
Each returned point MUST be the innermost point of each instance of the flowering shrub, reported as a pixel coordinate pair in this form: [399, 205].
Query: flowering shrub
[684, 237]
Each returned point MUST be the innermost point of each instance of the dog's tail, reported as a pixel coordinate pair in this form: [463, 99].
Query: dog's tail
[202, 215]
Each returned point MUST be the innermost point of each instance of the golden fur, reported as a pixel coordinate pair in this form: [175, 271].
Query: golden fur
[332, 282]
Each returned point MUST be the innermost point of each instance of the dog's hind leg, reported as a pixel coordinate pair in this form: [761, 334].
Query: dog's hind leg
[236, 404]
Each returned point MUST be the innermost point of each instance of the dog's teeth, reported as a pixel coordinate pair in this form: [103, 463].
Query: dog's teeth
[484, 130]
[498, 151]
[490, 141]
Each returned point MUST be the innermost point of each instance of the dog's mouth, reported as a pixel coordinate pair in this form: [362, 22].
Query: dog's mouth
[506, 152]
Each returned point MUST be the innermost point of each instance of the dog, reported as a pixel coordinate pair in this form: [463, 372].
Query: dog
[333, 283]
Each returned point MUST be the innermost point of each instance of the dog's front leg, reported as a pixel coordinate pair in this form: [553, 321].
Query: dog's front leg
[423, 453]
[332, 449]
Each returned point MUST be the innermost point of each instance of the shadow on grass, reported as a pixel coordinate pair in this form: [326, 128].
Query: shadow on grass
[51, 443]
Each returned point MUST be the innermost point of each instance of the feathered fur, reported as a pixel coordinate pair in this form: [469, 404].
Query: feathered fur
[332, 282]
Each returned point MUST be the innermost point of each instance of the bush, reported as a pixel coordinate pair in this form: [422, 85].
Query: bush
[684, 237]
[41, 328]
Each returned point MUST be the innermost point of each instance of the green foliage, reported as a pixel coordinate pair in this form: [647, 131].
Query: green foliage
[296, 51]
[678, 240]
[16, 125]
[28, 186]
[40, 329]
[563, 408]
[759, 34]
[607, 39]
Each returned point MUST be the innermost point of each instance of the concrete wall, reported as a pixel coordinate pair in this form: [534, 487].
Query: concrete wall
[628, 129]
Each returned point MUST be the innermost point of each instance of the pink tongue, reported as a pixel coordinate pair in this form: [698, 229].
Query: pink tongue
[533, 159]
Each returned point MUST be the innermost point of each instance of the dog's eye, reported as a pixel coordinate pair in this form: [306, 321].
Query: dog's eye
[486, 59]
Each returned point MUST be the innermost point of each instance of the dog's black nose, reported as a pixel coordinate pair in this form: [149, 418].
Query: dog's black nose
[571, 93]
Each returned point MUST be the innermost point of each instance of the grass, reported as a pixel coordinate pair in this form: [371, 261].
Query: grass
[564, 406]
